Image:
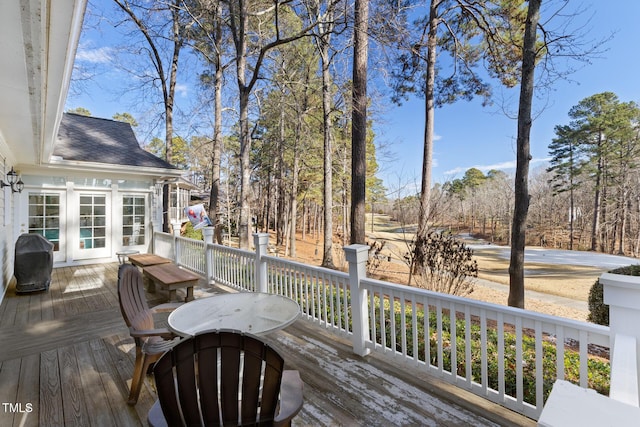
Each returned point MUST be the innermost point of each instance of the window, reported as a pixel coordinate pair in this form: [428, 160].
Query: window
[93, 221]
[44, 217]
[133, 215]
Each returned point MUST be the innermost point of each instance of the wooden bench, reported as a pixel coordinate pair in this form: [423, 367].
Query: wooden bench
[172, 277]
[147, 260]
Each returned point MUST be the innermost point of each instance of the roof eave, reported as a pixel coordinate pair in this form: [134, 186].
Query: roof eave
[79, 166]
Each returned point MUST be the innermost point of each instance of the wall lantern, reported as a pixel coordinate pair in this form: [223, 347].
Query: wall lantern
[14, 181]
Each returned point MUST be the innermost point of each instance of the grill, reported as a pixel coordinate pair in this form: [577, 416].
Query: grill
[33, 263]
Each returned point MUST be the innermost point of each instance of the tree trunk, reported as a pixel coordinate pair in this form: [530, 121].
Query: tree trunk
[359, 123]
[214, 194]
[327, 251]
[595, 223]
[427, 153]
[521, 203]
[280, 223]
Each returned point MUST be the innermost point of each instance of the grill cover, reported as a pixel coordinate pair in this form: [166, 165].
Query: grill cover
[33, 263]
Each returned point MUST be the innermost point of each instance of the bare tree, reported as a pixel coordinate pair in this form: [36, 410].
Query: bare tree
[247, 75]
[166, 71]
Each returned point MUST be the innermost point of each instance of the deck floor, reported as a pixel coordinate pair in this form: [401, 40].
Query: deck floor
[66, 358]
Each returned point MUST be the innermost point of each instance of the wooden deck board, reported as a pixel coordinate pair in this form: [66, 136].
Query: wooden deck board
[50, 403]
[72, 358]
[28, 386]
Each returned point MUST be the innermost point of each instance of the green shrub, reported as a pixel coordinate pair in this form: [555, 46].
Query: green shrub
[598, 310]
[190, 233]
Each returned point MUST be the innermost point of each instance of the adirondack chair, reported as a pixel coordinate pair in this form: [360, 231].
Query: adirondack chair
[151, 343]
[224, 378]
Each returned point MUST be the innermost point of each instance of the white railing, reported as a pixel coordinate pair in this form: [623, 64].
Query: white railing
[232, 267]
[515, 355]
[191, 254]
[164, 244]
[323, 294]
[511, 350]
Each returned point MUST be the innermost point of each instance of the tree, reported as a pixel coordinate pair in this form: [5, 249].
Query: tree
[566, 168]
[247, 75]
[208, 39]
[326, 17]
[125, 117]
[523, 156]
[166, 71]
[462, 29]
[181, 156]
[81, 111]
[359, 122]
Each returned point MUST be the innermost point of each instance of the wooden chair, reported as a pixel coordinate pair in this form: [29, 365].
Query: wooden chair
[224, 378]
[151, 343]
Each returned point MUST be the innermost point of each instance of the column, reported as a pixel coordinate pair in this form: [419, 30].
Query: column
[357, 256]
[260, 241]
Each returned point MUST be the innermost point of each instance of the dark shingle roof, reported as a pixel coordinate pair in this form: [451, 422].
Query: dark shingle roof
[91, 139]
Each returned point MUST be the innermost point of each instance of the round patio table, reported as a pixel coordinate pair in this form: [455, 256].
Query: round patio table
[253, 312]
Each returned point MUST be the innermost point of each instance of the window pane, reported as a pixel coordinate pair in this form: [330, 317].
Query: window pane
[52, 223]
[52, 235]
[53, 199]
[36, 199]
[99, 210]
[99, 221]
[36, 222]
[36, 210]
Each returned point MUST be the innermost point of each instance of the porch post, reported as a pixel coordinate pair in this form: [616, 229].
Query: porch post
[622, 294]
[175, 225]
[207, 233]
[260, 241]
[357, 256]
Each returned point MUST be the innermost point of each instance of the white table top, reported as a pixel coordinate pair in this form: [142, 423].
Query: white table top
[252, 312]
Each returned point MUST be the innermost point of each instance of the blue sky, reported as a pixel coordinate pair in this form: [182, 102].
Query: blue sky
[467, 134]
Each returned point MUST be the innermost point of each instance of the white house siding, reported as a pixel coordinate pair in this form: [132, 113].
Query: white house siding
[90, 214]
[6, 234]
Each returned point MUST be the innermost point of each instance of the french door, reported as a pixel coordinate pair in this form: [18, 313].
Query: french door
[94, 226]
[47, 217]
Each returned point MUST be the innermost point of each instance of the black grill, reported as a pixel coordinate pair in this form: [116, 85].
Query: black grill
[33, 263]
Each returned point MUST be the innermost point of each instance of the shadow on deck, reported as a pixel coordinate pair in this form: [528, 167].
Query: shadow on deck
[66, 358]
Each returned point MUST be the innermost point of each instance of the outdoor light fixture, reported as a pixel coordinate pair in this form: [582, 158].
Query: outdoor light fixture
[14, 181]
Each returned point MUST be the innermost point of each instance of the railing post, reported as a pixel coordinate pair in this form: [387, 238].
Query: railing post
[207, 233]
[175, 225]
[357, 256]
[622, 294]
[260, 241]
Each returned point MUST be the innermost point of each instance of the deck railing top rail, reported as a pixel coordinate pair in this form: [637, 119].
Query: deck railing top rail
[418, 325]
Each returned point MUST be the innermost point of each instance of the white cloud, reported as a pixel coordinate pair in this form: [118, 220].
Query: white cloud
[182, 89]
[99, 55]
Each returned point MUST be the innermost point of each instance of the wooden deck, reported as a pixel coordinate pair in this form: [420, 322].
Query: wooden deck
[66, 359]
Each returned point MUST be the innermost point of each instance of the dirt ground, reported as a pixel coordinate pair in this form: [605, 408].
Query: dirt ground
[562, 280]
